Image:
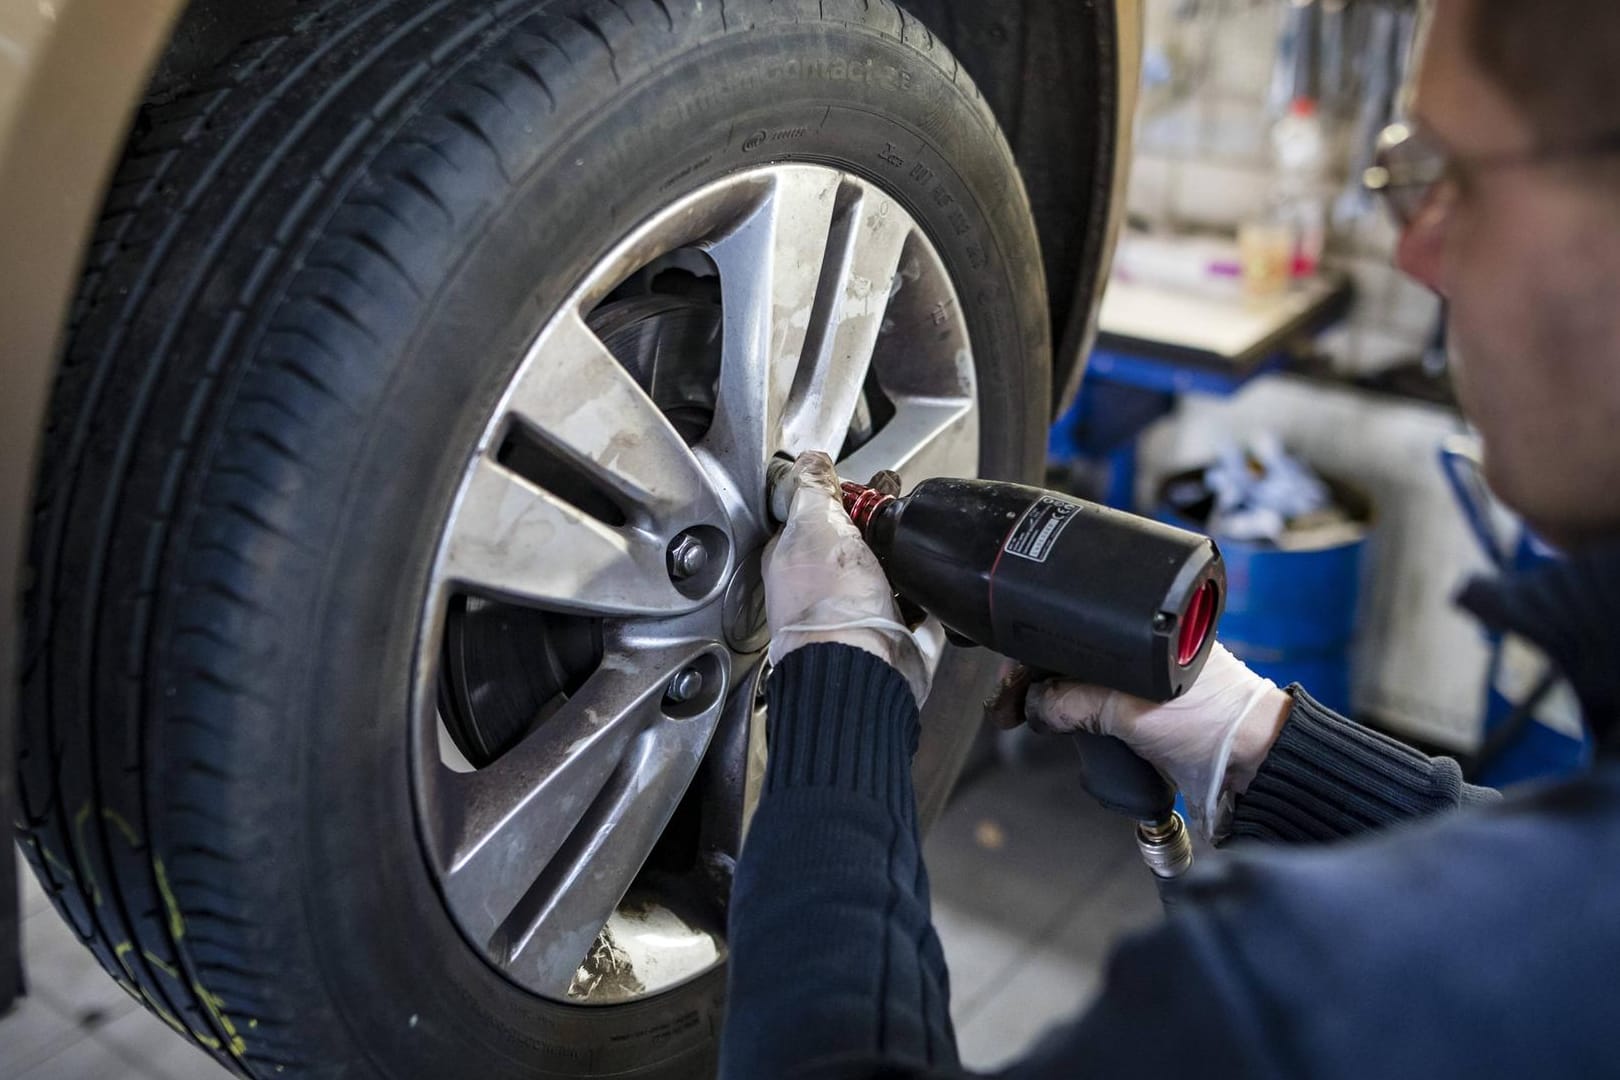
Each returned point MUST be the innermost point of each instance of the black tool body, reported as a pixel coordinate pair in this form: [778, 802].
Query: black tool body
[1063, 585]
[1068, 588]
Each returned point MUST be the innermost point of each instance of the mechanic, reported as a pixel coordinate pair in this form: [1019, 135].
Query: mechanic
[1398, 922]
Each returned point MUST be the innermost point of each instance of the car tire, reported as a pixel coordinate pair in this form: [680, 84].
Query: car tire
[316, 274]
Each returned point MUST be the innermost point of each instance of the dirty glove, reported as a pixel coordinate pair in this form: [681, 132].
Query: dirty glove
[1209, 742]
[823, 584]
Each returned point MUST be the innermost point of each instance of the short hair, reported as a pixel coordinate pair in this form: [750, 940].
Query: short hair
[1558, 60]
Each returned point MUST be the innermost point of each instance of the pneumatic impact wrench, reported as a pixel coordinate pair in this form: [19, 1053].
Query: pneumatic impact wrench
[1067, 588]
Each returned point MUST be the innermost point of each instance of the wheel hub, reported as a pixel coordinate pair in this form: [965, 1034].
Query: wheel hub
[743, 609]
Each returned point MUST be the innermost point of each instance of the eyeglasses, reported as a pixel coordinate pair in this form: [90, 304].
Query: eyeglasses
[1410, 164]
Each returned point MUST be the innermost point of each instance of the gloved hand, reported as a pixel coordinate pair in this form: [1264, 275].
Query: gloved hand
[823, 584]
[1209, 742]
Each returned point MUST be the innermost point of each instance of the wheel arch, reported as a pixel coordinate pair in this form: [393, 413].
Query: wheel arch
[1067, 52]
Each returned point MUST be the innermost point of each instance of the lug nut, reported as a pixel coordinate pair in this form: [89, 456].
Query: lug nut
[686, 685]
[687, 556]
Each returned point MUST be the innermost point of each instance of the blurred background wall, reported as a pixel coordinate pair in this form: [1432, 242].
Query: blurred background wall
[1217, 76]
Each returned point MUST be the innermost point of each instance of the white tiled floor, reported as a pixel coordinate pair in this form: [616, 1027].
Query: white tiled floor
[76, 1024]
[1031, 886]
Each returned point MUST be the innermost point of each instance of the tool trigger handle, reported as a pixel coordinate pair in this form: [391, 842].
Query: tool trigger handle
[1120, 780]
[1112, 772]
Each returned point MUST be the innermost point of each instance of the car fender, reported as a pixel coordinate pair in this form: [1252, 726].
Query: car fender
[1038, 63]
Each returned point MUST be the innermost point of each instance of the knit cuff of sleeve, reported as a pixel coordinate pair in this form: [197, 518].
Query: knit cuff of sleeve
[1328, 777]
[840, 718]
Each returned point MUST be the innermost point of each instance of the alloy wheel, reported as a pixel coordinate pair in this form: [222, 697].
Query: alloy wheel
[588, 738]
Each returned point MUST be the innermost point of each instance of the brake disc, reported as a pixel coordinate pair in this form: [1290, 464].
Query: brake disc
[508, 667]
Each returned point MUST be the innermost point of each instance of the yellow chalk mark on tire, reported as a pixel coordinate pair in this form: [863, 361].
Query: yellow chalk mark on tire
[122, 825]
[213, 1003]
[141, 994]
[169, 1018]
[167, 969]
[50, 856]
[121, 950]
[79, 821]
[177, 925]
[216, 1008]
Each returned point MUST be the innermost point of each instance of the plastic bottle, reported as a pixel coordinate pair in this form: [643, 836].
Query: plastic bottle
[1299, 183]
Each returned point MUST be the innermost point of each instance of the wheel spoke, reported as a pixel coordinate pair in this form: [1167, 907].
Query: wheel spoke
[528, 823]
[868, 236]
[557, 923]
[925, 437]
[770, 268]
[574, 397]
[514, 540]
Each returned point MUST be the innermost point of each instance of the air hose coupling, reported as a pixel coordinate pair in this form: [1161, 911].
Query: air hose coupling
[1166, 846]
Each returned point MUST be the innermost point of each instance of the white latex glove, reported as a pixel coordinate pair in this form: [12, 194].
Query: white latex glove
[1209, 742]
[823, 584]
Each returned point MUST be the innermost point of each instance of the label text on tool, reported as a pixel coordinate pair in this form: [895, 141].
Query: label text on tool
[1032, 538]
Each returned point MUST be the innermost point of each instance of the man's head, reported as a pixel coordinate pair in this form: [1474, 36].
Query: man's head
[1528, 254]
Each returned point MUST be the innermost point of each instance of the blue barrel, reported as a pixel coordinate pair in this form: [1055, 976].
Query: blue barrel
[1291, 615]
[1536, 752]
